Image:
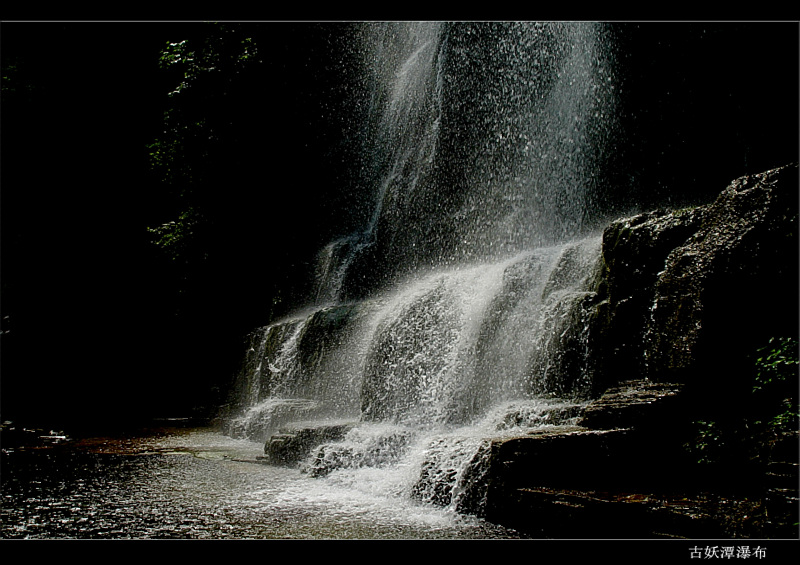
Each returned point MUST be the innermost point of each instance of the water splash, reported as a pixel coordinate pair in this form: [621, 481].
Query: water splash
[460, 310]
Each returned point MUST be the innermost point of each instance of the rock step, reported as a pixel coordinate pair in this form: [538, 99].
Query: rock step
[631, 404]
[293, 444]
[585, 515]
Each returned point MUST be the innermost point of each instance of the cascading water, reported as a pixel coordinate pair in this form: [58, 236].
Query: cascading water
[458, 311]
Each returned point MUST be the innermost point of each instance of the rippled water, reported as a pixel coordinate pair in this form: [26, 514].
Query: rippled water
[198, 484]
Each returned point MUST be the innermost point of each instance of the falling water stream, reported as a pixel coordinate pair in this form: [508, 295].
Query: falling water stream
[454, 313]
[458, 311]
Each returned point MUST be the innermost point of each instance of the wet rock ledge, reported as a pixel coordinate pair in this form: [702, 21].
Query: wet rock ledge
[615, 474]
[623, 473]
[294, 443]
[686, 302]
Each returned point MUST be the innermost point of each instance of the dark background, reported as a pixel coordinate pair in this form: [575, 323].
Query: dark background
[99, 327]
[99, 330]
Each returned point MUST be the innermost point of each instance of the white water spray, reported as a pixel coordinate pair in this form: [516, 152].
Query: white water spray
[478, 263]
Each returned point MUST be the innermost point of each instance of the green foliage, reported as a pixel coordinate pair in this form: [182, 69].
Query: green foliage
[190, 156]
[776, 384]
[9, 78]
[175, 236]
[777, 364]
[771, 408]
[204, 68]
[786, 420]
[708, 441]
[167, 156]
[15, 85]
[222, 51]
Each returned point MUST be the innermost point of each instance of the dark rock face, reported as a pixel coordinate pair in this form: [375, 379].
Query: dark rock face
[782, 497]
[624, 473]
[584, 483]
[731, 285]
[690, 293]
[634, 251]
[686, 300]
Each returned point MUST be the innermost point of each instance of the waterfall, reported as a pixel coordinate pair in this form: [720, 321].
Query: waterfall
[459, 310]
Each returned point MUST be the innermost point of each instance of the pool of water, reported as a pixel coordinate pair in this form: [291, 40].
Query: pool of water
[195, 483]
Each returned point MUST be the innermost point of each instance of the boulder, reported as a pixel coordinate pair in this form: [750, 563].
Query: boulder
[634, 251]
[730, 286]
[369, 450]
[293, 444]
[689, 295]
[686, 299]
[621, 473]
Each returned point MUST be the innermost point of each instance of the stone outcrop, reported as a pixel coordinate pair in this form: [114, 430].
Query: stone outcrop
[782, 499]
[294, 443]
[623, 472]
[686, 299]
[605, 476]
[688, 295]
[634, 252]
[731, 285]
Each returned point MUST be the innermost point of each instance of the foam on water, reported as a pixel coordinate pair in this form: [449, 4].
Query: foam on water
[459, 310]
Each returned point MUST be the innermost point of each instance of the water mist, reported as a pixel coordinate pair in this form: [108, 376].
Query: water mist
[458, 310]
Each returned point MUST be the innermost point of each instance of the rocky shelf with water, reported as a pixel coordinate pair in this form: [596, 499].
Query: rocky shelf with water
[670, 319]
[497, 339]
[636, 479]
[689, 297]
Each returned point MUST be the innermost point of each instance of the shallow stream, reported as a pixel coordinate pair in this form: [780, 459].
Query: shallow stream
[195, 483]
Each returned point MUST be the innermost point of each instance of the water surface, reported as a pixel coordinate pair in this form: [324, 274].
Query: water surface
[195, 483]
